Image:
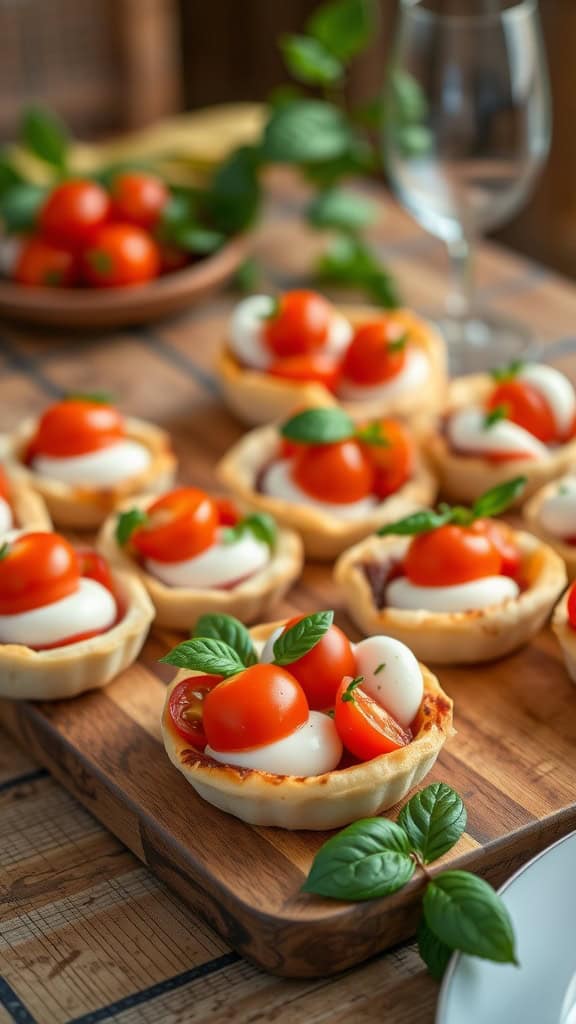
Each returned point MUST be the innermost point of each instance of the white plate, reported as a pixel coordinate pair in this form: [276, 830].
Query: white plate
[541, 900]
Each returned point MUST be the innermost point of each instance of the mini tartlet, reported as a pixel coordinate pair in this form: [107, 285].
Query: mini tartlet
[564, 626]
[20, 506]
[550, 507]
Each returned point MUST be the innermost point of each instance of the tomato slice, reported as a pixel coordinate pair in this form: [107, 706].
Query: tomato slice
[76, 426]
[365, 728]
[260, 705]
[317, 368]
[180, 525]
[503, 539]
[37, 569]
[450, 555]
[186, 707]
[340, 473]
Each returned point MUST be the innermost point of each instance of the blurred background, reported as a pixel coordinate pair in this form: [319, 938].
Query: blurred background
[109, 66]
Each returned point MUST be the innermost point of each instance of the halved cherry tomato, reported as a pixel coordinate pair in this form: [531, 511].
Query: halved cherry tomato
[299, 325]
[376, 353]
[228, 514]
[571, 606]
[339, 473]
[526, 407]
[393, 461]
[75, 427]
[139, 198]
[73, 211]
[502, 537]
[322, 669]
[185, 708]
[260, 705]
[46, 265]
[364, 727]
[37, 569]
[451, 555]
[316, 367]
[180, 525]
[95, 567]
[120, 255]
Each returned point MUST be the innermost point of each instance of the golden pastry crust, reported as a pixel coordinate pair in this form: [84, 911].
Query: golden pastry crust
[84, 508]
[323, 801]
[256, 397]
[531, 513]
[28, 507]
[464, 478]
[566, 636]
[324, 535]
[65, 672]
[451, 638]
[180, 607]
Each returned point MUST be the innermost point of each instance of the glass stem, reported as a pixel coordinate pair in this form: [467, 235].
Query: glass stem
[459, 302]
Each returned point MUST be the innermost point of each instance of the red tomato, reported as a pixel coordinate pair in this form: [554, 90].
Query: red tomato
[172, 257]
[75, 427]
[450, 555]
[503, 539]
[180, 525]
[95, 567]
[37, 569]
[299, 325]
[73, 211]
[364, 727]
[120, 255]
[322, 669]
[571, 607]
[393, 461]
[317, 368]
[375, 354]
[228, 514]
[4, 485]
[525, 406]
[138, 198]
[45, 265]
[185, 708]
[340, 473]
[260, 705]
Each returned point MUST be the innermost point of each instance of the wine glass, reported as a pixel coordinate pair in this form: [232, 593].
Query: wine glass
[467, 131]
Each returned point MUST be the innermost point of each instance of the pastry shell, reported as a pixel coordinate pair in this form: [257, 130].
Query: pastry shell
[531, 513]
[180, 607]
[324, 535]
[28, 507]
[64, 672]
[449, 638]
[566, 635]
[256, 397]
[84, 507]
[318, 802]
[465, 477]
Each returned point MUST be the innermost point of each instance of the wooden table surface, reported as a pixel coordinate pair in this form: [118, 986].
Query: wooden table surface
[86, 932]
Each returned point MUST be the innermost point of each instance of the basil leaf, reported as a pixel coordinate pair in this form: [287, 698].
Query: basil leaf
[504, 373]
[498, 499]
[434, 819]
[231, 631]
[365, 861]
[282, 95]
[195, 239]
[45, 135]
[9, 174]
[259, 524]
[4, 550]
[435, 954]
[128, 522]
[372, 433]
[297, 640]
[100, 397]
[418, 522]
[465, 913]
[310, 62]
[247, 277]
[234, 197]
[318, 426]
[306, 131]
[20, 205]
[349, 262]
[500, 412]
[408, 96]
[203, 654]
[343, 210]
[344, 27]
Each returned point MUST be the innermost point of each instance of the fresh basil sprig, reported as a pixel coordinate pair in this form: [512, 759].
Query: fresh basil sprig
[128, 522]
[376, 857]
[204, 654]
[505, 373]
[295, 642]
[495, 415]
[492, 503]
[98, 397]
[231, 631]
[261, 525]
[46, 137]
[4, 550]
[329, 426]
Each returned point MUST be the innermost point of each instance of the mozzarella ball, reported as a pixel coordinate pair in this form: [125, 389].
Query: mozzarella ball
[392, 676]
[313, 749]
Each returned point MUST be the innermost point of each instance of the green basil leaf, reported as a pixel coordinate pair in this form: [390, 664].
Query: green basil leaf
[344, 27]
[306, 131]
[498, 499]
[318, 426]
[342, 210]
[247, 277]
[295, 642]
[495, 415]
[105, 175]
[310, 62]
[4, 550]
[359, 158]
[196, 239]
[259, 524]
[349, 262]
[179, 212]
[231, 631]
[433, 819]
[465, 913]
[20, 205]
[235, 194]
[203, 654]
[435, 954]
[9, 174]
[283, 95]
[372, 433]
[365, 861]
[408, 96]
[508, 372]
[100, 397]
[413, 139]
[45, 135]
[418, 522]
[128, 522]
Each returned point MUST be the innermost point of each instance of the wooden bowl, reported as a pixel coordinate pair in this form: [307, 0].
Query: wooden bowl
[117, 307]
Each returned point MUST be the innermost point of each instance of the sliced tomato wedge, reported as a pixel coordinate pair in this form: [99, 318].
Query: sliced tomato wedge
[366, 729]
[186, 708]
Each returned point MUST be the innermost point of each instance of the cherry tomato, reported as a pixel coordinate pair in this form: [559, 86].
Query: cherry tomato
[228, 514]
[299, 325]
[37, 569]
[73, 211]
[120, 255]
[451, 555]
[185, 708]
[180, 525]
[75, 427]
[93, 566]
[322, 669]
[317, 368]
[260, 705]
[172, 257]
[45, 265]
[525, 406]
[502, 537]
[376, 353]
[571, 606]
[393, 461]
[339, 473]
[139, 198]
[364, 727]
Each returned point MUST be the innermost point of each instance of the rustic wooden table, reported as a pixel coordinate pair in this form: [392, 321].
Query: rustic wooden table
[87, 934]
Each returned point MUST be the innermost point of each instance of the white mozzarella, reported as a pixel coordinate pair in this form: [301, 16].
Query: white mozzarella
[247, 334]
[267, 652]
[460, 597]
[101, 468]
[339, 336]
[312, 749]
[467, 432]
[556, 389]
[558, 511]
[216, 566]
[279, 483]
[392, 676]
[90, 607]
[412, 375]
[6, 518]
